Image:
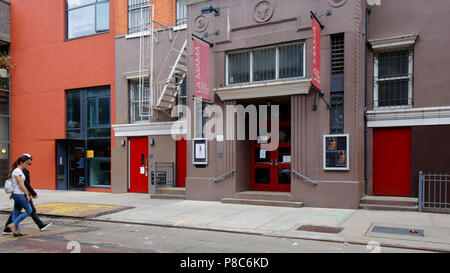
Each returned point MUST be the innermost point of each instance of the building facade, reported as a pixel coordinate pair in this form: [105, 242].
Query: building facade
[62, 87]
[409, 104]
[98, 91]
[262, 55]
[148, 55]
[4, 91]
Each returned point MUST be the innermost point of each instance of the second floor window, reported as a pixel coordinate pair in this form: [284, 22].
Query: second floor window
[262, 64]
[138, 15]
[393, 78]
[86, 17]
[181, 13]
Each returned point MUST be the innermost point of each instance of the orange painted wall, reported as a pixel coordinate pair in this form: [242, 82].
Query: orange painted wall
[45, 65]
[165, 13]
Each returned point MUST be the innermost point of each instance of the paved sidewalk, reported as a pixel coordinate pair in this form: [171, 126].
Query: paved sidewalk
[269, 221]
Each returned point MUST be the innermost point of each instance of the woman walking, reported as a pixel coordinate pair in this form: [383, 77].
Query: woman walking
[20, 194]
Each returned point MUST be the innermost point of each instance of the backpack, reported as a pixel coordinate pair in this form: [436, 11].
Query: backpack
[8, 186]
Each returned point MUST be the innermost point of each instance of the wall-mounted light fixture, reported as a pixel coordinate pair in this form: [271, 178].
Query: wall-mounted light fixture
[151, 141]
[209, 9]
[123, 142]
[4, 151]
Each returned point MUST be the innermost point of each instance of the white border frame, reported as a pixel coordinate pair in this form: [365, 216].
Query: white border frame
[347, 168]
[193, 151]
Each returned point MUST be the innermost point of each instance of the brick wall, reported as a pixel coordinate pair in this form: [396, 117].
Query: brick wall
[4, 21]
[165, 13]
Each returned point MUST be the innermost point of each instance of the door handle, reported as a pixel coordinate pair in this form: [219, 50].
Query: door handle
[146, 166]
[276, 162]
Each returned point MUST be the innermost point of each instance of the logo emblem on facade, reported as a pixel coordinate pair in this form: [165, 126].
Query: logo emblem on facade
[263, 11]
[200, 23]
[336, 3]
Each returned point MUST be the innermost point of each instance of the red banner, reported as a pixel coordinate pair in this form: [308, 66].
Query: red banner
[316, 32]
[201, 71]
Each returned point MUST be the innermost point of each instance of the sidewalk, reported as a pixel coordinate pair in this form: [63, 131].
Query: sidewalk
[262, 220]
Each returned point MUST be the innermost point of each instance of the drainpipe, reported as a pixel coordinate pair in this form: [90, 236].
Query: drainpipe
[366, 100]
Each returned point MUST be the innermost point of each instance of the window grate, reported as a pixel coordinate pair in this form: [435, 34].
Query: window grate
[393, 78]
[337, 54]
[138, 15]
[337, 113]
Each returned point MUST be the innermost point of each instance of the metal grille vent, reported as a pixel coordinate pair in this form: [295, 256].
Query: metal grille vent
[321, 229]
[337, 54]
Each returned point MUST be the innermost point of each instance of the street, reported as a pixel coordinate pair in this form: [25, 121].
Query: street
[68, 235]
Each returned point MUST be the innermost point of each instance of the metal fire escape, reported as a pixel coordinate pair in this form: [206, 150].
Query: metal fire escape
[161, 94]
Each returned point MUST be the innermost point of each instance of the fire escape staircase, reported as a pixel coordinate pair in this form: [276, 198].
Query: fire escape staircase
[166, 98]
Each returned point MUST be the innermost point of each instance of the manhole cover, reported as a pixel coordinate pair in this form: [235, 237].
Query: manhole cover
[399, 231]
[321, 229]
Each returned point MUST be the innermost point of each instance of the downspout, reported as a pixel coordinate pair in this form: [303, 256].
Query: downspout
[366, 186]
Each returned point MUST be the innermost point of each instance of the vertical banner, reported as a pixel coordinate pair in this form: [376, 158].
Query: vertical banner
[201, 71]
[316, 32]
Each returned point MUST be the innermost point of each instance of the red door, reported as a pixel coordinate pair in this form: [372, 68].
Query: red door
[392, 162]
[181, 163]
[270, 170]
[138, 165]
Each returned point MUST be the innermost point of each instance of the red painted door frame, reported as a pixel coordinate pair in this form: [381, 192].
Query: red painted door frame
[181, 163]
[272, 164]
[392, 162]
[138, 165]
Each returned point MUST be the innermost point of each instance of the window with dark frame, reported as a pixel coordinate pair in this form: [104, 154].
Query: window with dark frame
[88, 114]
[337, 84]
[264, 64]
[86, 17]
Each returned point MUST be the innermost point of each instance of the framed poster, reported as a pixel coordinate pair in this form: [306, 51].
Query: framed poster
[336, 152]
[200, 151]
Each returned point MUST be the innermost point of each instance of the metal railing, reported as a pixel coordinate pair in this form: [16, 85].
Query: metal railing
[434, 190]
[163, 175]
[305, 178]
[222, 177]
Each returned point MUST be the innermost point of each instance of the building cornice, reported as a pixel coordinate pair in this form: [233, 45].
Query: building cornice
[394, 42]
[409, 117]
[150, 129]
[264, 89]
[191, 2]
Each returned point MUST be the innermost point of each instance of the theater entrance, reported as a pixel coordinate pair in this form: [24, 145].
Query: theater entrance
[271, 170]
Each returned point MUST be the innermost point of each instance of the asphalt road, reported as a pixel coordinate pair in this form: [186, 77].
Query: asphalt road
[82, 236]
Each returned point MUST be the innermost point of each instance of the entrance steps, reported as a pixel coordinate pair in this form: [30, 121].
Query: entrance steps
[263, 198]
[389, 203]
[170, 193]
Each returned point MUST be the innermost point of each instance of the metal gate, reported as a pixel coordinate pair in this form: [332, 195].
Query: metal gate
[434, 190]
[163, 174]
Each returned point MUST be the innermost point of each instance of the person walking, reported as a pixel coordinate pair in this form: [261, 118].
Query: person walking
[42, 226]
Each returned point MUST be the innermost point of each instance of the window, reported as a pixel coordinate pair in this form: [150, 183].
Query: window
[138, 16]
[181, 13]
[393, 78]
[89, 126]
[86, 17]
[337, 84]
[263, 64]
[137, 115]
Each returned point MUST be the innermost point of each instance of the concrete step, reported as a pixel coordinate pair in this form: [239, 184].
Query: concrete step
[172, 191]
[264, 195]
[262, 202]
[388, 207]
[167, 196]
[389, 200]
